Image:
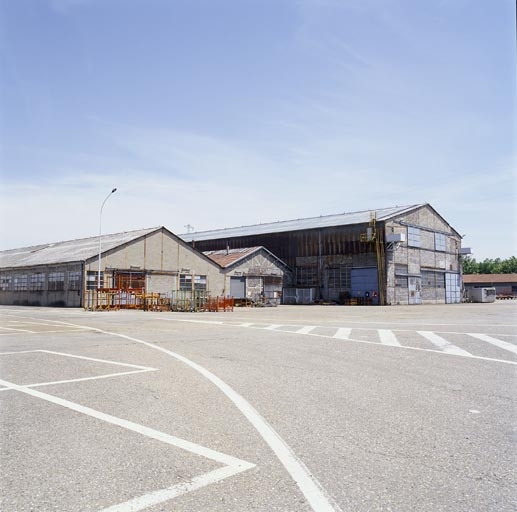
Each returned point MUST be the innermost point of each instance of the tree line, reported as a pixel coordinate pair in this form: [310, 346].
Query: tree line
[489, 266]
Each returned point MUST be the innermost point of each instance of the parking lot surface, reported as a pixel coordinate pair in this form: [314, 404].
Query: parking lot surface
[316, 408]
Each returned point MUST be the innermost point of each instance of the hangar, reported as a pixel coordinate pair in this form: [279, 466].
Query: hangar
[398, 255]
[71, 273]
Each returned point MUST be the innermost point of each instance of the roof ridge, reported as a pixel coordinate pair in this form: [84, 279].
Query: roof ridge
[403, 207]
[50, 244]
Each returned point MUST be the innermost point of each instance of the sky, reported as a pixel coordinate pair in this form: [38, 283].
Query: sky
[224, 113]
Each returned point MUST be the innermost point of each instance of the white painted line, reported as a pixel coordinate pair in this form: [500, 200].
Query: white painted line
[157, 497]
[116, 363]
[494, 341]
[210, 322]
[16, 330]
[388, 338]
[246, 324]
[24, 322]
[138, 368]
[18, 352]
[83, 379]
[272, 327]
[443, 344]
[342, 333]
[306, 329]
[227, 460]
[307, 483]
[233, 464]
[66, 354]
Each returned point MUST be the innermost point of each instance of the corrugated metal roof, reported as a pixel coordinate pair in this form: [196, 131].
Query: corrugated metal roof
[225, 258]
[324, 221]
[71, 250]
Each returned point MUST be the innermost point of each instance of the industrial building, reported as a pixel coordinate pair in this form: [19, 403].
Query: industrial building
[398, 255]
[68, 273]
[504, 285]
[254, 274]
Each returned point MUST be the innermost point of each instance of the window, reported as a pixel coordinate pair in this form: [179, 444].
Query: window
[5, 283]
[339, 277]
[56, 281]
[200, 282]
[185, 281]
[440, 242]
[307, 276]
[401, 282]
[413, 236]
[20, 283]
[37, 282]
[401, 269]
[74, 280]
[91, 279]
[432, 279]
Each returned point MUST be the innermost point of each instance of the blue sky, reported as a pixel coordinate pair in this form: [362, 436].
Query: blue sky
[221, 113]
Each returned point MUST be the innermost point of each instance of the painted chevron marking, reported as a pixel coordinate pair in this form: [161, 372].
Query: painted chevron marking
[388, 338]
[443, 344]
[494, 341]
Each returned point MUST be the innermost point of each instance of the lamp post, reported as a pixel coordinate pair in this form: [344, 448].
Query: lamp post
[100, 237]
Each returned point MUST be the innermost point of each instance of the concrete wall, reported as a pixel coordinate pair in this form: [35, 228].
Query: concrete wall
[424, 265]
[162, 251]
[257, 267]
[44, 296]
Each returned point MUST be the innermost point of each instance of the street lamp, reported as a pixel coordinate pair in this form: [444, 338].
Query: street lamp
[100, 237]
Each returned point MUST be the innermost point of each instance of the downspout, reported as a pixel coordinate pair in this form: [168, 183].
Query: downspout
[81, 287]
[320, 266]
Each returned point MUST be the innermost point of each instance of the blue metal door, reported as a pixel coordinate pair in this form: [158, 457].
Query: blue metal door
[365, 285]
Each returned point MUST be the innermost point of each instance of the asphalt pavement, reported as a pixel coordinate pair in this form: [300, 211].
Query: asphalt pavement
[293, 408]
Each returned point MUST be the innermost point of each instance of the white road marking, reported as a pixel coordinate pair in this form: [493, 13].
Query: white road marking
[342, 333]
[116, 363]
[494, 341]
[306, 329]
[82, 379]
[443, 344]
[138, 368]
[272, 327]
[16, 330]
[233, 464]
[169, 493]
[307, 483]
[24, 322]
[388, 337]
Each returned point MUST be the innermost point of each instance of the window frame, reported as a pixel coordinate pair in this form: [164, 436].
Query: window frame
[413, 237]
[37, 282]
[56, 281]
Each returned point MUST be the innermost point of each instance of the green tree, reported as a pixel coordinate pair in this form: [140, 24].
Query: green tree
[509, 266]
[489, 266]
[470, 265]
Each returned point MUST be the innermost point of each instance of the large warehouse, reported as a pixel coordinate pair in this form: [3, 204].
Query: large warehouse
[398, 255]
[62, 273]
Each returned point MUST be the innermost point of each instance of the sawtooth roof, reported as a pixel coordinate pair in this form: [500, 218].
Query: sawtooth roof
[324, 221]
[68, 251]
